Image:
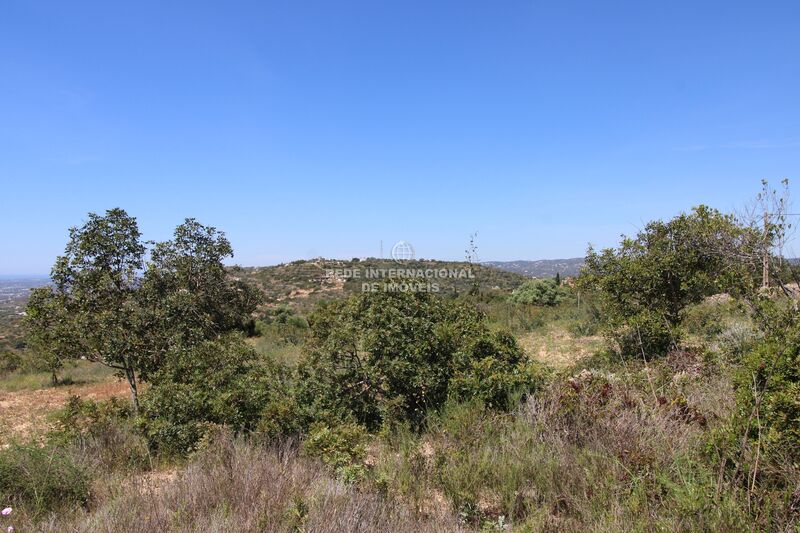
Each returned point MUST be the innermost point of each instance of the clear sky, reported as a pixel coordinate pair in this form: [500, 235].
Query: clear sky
[320, 128]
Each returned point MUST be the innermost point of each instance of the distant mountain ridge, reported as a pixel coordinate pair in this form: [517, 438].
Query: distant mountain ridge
[543, 268]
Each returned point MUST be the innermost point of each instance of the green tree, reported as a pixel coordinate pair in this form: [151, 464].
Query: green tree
[50, 332]
[189, 295]
[92, 310]
[539, 292]
[642, 286]
[107, 305]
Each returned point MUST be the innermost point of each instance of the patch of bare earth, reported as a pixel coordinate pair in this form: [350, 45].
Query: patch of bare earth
[559, 348]
[23, 414]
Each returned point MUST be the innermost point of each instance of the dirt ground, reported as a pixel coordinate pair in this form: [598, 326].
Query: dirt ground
[23, 414]
[559, 348]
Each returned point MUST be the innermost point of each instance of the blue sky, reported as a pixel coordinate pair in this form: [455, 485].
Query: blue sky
[321, 128]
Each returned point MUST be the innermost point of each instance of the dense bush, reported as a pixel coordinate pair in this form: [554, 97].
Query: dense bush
[220, 382]
[283, 314]
[492, 370]
[341, 447]
[768, 393]
[539, 292]
[41, 479]
[9, 362]
[393, 356]
[643, 286]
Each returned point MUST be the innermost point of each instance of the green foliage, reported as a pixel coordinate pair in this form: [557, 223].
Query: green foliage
[9, 362]
[104, 433]
[41, 479]
[188, 295]
[215, 383]
[341, 447]
[492, 370]
[80, 418]
[50, 329]
[283, 314]
[539, 292]
[768, 394]
[382, 357]
[91, 308]
[107, 305]
[642, 286]
[283, 323]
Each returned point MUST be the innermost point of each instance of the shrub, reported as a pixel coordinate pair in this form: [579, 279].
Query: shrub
[221, 382]
[9, 362]
[41, 479]
[492, 370]
[645, 334]
[385, 356]
[593, 451]
[539, 292]
[103, 433]
[341, 447]
[768, 384]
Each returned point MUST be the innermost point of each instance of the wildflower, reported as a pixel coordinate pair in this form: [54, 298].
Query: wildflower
[6, 511]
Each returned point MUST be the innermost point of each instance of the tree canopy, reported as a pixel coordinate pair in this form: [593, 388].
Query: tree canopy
[645, 282]
[107, 304]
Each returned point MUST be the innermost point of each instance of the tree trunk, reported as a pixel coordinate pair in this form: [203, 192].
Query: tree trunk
[54, 377]
[131, 375]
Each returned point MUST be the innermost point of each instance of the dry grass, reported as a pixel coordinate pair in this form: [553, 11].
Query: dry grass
[556, 346]
[24, 414]
[595, 452]
[234, 486]
[74, 373]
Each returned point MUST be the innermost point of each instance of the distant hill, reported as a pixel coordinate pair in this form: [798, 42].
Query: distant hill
[304, 283]
[543, 268]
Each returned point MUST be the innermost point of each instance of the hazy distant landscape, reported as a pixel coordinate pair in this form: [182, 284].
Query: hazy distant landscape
[542, 268]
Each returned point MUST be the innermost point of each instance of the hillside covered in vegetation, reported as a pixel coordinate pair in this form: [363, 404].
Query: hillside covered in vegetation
[305, 283]
[658, 392]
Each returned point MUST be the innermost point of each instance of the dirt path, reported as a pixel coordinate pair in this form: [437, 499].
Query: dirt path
[23, 414]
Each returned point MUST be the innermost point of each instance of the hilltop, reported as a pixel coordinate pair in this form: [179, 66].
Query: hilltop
[304, 283]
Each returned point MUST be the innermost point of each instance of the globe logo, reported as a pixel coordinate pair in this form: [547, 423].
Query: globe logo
[402, 251]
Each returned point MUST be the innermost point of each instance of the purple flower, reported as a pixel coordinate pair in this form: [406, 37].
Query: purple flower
[6, 511]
